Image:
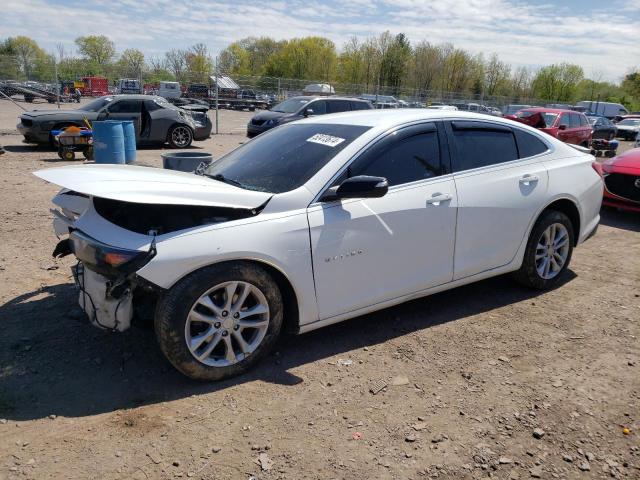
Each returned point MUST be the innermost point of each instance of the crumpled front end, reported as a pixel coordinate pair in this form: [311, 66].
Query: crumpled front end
[106, 279]
[101, 308]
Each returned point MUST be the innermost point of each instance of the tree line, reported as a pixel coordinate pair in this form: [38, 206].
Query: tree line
[386, 62]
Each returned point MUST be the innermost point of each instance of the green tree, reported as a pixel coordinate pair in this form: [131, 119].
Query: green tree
[27, 54]
[558, 82]
[98, 49]
[198, 63]
[131, 63]
[176, 63]
[497, 74]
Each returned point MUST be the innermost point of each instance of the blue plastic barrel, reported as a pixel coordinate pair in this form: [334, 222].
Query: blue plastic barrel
[129, 141]
[108, 142]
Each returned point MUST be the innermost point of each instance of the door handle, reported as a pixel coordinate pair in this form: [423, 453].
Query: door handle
[528, 179]
[436, 198]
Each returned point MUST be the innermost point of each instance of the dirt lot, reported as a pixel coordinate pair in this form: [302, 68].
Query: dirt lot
[472, 373]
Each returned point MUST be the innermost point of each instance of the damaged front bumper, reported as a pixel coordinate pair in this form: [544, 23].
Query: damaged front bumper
[105, 277]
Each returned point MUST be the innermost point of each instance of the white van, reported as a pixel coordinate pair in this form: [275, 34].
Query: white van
[169, 90]
[606, 109]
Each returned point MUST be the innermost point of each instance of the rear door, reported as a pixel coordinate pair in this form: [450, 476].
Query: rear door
[501, 183]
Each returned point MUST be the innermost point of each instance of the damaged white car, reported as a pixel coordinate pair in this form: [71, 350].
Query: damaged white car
[319, 221]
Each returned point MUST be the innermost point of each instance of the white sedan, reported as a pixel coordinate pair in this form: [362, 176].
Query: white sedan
[320, 221]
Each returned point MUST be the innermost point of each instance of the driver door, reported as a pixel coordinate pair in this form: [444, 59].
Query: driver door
[124, 109]
[366, 251]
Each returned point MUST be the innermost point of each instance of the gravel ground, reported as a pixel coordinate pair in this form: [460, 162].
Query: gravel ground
[485, 380]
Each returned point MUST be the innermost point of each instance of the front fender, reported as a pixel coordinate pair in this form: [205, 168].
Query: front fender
[280, 242]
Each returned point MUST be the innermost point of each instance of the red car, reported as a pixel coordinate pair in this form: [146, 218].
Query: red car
[566, 125]
[621, 176]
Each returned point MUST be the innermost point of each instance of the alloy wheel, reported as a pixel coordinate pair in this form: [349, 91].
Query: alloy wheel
[227, 323]
[552, 250]
[181, 136]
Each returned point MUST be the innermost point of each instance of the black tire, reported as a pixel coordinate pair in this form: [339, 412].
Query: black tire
[174, 307]
[175, 140]
[528, 274]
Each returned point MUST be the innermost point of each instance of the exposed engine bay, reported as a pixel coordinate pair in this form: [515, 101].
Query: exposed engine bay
[145, 218]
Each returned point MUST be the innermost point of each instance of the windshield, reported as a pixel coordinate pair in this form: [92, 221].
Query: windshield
[630, 122]
[290, 106]
[97, 104]
[548, 118]
[284, 158]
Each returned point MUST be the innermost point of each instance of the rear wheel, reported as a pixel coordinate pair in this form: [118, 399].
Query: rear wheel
[219, 321]
[180, 136]
[548, 251]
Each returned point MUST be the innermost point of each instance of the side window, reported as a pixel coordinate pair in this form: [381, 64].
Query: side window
[528, 144]
[574, 120]
[583, 121]
[319, 107]
[125, 106]
[402, 157]
[336, 106]
[480, 145]
[150, 106]
[359, 106]
[564, 120]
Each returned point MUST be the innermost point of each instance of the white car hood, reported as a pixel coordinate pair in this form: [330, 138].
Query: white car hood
[151, 185]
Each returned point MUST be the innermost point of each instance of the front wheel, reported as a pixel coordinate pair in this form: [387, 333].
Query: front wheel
[180, 136]
[548, 251]
[219, 321]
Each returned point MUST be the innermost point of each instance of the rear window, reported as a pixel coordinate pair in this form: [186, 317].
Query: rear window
[284, 158]
[574, 120]
[528, 144]
[337, 106]
[360, 106]
[479, 145]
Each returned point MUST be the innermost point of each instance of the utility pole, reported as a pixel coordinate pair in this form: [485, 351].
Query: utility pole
[55, 69]
[217, 91]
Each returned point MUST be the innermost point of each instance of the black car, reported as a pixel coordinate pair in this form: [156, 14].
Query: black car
[296, 108]
[602, 127]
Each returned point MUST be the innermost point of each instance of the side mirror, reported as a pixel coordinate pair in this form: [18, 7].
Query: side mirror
[362, 186]
[308, 111]
[562, 127]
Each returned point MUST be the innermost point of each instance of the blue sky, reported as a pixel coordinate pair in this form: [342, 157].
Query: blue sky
[602, 37]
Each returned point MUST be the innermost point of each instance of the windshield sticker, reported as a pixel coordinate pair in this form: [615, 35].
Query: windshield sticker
[323, 139]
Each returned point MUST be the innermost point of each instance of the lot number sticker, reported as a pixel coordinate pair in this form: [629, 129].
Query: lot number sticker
[323, 139]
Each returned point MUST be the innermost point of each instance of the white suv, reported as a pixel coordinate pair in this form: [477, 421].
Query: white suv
[318, 221]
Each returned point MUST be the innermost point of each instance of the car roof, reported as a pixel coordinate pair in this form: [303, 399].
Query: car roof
[392, 117]
[134, 96]
[320, 97]
[549, 110]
